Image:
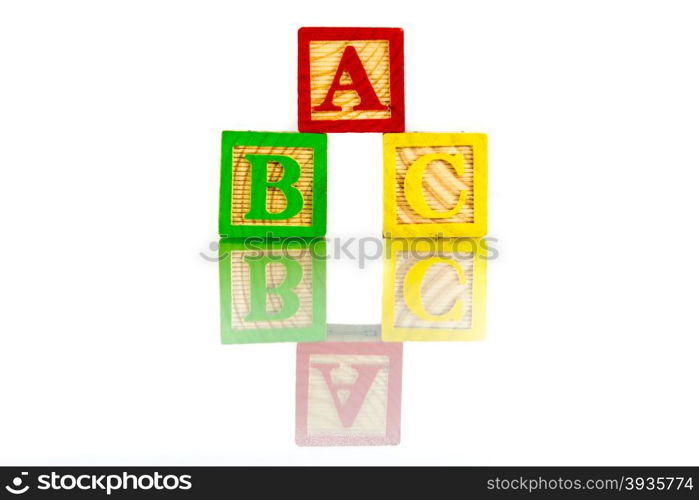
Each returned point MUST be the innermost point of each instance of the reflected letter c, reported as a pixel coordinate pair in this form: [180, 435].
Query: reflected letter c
[412, 287]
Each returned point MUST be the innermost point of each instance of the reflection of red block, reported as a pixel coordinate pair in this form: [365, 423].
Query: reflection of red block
[351, 80]
[348, 393]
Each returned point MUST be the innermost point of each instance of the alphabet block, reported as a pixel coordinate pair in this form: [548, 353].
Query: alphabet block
[272, 291]
[435, 185]
[273, 184]
[351, 80]
[348, 393]
[434, 290]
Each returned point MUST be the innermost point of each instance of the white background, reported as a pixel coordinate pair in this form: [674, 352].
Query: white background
[110, 121]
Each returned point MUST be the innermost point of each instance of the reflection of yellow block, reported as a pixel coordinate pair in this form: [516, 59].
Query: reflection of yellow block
[434, 289]
[435, 185]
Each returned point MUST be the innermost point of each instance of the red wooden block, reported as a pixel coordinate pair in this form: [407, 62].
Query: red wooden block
[348, 393]
[351, 80]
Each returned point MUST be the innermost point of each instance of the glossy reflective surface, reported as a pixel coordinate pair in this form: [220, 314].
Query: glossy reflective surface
[349, 376]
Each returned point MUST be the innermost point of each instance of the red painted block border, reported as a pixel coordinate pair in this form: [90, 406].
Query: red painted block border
[393, 350]
[396, 123]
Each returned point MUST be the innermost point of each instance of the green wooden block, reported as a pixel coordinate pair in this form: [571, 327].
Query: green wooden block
[273, 184]
[272, 291]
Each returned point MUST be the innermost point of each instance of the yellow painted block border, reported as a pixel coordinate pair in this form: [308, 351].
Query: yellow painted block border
[390, 333]
[479, 143]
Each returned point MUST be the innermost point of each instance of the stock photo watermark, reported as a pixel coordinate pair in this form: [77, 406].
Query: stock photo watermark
[361, 250]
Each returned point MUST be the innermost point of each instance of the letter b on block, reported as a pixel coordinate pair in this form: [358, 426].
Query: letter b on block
[273, 184]
[272, 291]
[260, 290]
[260, 185]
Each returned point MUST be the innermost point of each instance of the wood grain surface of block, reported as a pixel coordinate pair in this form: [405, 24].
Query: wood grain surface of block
[348, 394]
[434, 290]
[435, 185]
[275, 200]
[350, 80]
[272, 292]
[273, 184]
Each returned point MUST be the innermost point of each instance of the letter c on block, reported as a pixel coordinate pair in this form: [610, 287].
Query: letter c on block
[412, 290]
[414, 193]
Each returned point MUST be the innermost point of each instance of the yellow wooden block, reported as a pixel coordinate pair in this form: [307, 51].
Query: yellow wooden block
[435, 185]
[434, 289]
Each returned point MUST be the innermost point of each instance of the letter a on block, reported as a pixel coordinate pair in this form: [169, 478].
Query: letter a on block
[348, 393]
[351, 80]
[352, 65]
[356, 392]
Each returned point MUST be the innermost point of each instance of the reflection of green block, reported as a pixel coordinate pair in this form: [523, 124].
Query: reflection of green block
[272, 291]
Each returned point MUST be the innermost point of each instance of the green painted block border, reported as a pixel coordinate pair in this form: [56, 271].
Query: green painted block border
[319, 143]
[314, 333]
